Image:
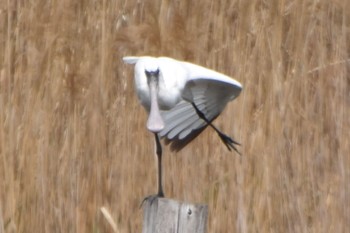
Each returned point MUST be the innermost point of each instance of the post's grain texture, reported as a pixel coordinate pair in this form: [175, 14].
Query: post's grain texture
[167, 215]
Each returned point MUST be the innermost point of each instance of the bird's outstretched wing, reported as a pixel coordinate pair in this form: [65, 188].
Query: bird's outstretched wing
[210, 91]
[130, 59]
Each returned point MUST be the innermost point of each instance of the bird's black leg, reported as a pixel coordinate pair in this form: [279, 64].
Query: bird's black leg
[159, 156]
[229, 142]
[160, 193]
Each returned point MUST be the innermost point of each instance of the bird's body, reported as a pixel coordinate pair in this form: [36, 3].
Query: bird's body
[179, 85]
[181, 98]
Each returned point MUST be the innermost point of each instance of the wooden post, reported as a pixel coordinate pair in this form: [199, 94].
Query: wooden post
[170, 216]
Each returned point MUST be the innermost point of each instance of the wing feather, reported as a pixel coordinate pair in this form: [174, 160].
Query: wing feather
[178, 126]
[210, 91]
[183, 126]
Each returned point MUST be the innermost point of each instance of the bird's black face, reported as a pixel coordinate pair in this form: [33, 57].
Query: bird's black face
[152, 76]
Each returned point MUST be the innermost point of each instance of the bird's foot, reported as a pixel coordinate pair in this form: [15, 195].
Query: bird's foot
[152, 198]
[229, 142]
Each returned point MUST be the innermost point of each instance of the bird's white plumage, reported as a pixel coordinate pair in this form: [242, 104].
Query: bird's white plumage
[180, 84]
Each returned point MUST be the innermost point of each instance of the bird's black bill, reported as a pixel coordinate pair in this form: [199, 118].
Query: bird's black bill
[155, 122]
[228, 141]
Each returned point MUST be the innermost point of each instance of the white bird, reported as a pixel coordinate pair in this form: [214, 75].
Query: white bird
[182, 99]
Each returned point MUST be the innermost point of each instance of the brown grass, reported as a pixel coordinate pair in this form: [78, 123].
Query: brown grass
[73, 136]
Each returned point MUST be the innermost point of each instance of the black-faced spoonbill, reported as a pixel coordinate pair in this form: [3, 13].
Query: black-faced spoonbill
[182, 99]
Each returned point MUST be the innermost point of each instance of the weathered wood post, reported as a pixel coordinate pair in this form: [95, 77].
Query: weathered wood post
[170, 216]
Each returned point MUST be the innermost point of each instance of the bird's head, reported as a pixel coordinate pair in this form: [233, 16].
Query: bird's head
[152, 75]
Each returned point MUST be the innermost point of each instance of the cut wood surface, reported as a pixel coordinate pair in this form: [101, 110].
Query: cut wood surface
[167, 215]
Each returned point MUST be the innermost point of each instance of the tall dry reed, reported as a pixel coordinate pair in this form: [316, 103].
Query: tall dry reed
[73, 136]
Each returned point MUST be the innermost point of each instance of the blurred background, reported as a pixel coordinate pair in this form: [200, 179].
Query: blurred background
[73, 137]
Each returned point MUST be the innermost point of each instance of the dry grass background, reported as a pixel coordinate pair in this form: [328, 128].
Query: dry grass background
[73, 136]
